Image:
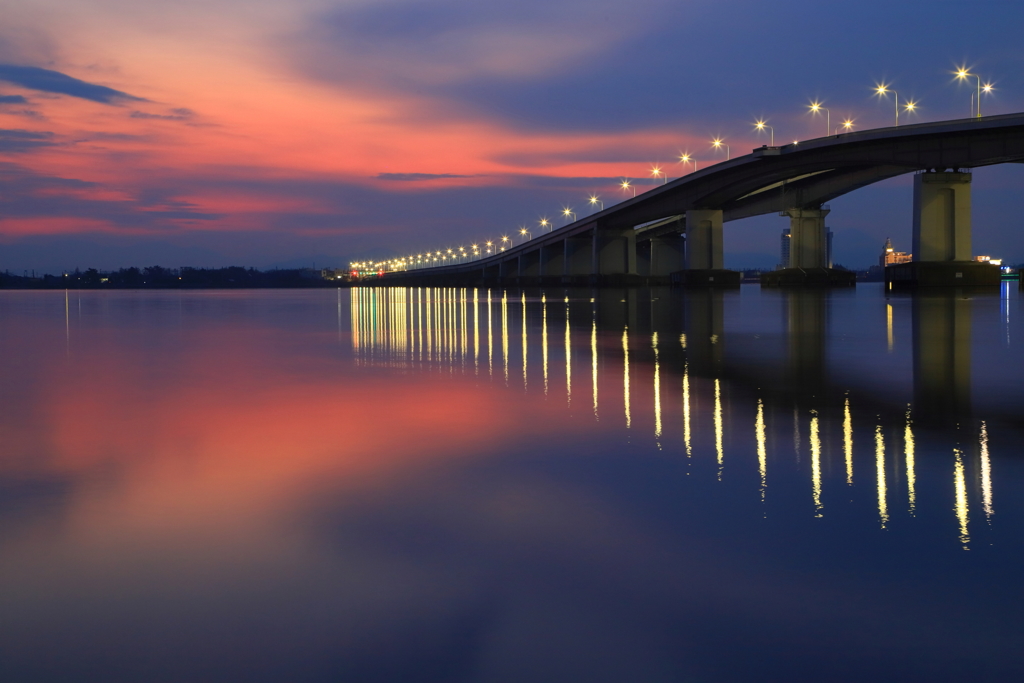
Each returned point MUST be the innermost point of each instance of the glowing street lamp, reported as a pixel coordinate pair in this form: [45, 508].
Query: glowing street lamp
[593, 201]
[546, 224]
[505, 241]
[489, 245]
[686, 159]
[847, 125]
[881, 90]
[626, 186]
[909, 107]
[815, 108]
[566, 211]
[657, 173]
[718, 144]
[963, 74]
[526, 234]
[761, 125]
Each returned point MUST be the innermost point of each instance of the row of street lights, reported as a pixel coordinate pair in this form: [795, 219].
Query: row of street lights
[443, 257]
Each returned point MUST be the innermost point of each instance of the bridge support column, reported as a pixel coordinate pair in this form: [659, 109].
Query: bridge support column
[578, 256]
[552, 260]
[942, 236]
[667, 255]
[808, 238]
[705, 257]
[942, 217]
[704, 240]
[529, 263]
[508, 268]
[614, 252]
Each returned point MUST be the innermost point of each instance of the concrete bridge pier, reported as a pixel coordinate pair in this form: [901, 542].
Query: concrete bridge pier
[942, 236]
[809, 262]
[705, 255]
[659, 257]
[614, 253]
[578, 255]
[552, 260]
[808, 238]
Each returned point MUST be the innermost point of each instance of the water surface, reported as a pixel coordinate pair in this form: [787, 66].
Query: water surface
[506, 485]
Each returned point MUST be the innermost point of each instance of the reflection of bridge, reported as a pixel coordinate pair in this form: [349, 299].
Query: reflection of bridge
[658, 361]
[643, 236]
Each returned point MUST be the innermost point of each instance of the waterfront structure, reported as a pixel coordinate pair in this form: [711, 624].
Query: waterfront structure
[890, 256]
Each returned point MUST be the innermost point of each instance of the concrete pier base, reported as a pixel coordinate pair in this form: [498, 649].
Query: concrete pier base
[809, 277]
[942, 274]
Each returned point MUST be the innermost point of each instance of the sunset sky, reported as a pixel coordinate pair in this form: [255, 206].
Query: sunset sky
[260, 133]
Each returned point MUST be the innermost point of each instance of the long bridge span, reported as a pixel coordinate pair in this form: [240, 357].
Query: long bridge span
[678, 226]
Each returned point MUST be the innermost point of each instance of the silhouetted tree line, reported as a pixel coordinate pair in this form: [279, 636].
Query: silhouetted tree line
[155, 277]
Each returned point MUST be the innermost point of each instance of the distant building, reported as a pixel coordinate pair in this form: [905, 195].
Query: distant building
[891, 257]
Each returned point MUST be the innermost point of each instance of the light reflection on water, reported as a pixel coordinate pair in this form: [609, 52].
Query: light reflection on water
[806, 355]
[353, 485]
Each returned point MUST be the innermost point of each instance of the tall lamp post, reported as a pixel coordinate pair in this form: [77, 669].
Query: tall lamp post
[566, 211]
[815, 108]
[527, 235]
[846, 125]
[594, 201]
[626, 186]
[657, 173]
[761, 125]
[686, 159]
[883, 90]
[718, 144]
[545, 224]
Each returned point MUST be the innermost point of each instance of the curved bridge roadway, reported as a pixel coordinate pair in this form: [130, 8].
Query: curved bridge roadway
[792, 179]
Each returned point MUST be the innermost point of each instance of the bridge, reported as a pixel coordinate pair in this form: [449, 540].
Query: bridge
[678, 227]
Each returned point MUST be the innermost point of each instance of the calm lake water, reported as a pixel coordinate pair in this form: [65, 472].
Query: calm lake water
[506, 485]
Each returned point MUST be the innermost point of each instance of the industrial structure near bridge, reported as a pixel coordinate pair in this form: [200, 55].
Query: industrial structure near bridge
[675, 231]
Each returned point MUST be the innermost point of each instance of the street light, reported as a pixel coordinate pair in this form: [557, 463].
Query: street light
[909, 107]
[717, 144]
[656, 172]
[525, 233]
[545, 223]
[504, 239]
[566, 211]
[686, 159]
[815, 108]
[625, 186]
[963, 74]
[490, 244]
[761, 125]
[846, 126]
[882, 89]
[594, 200]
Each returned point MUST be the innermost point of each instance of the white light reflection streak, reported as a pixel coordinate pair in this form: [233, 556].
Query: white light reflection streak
[815, 442]
[544, 338]
[960, 485]
[490, 337]
[476, 331]
[657, 391]
[986, 474]
[718, 428]
[883, 509]
[686, 409]
[524, 340]
[568, 357]
[504, 332]
[762, 450]
[848, 441]
[888, 317]
[908, 451]
[593, 362]
[625, 375]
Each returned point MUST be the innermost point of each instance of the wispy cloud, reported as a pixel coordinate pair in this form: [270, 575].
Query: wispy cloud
[14, 140]
[413, 177]
[46, 80]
